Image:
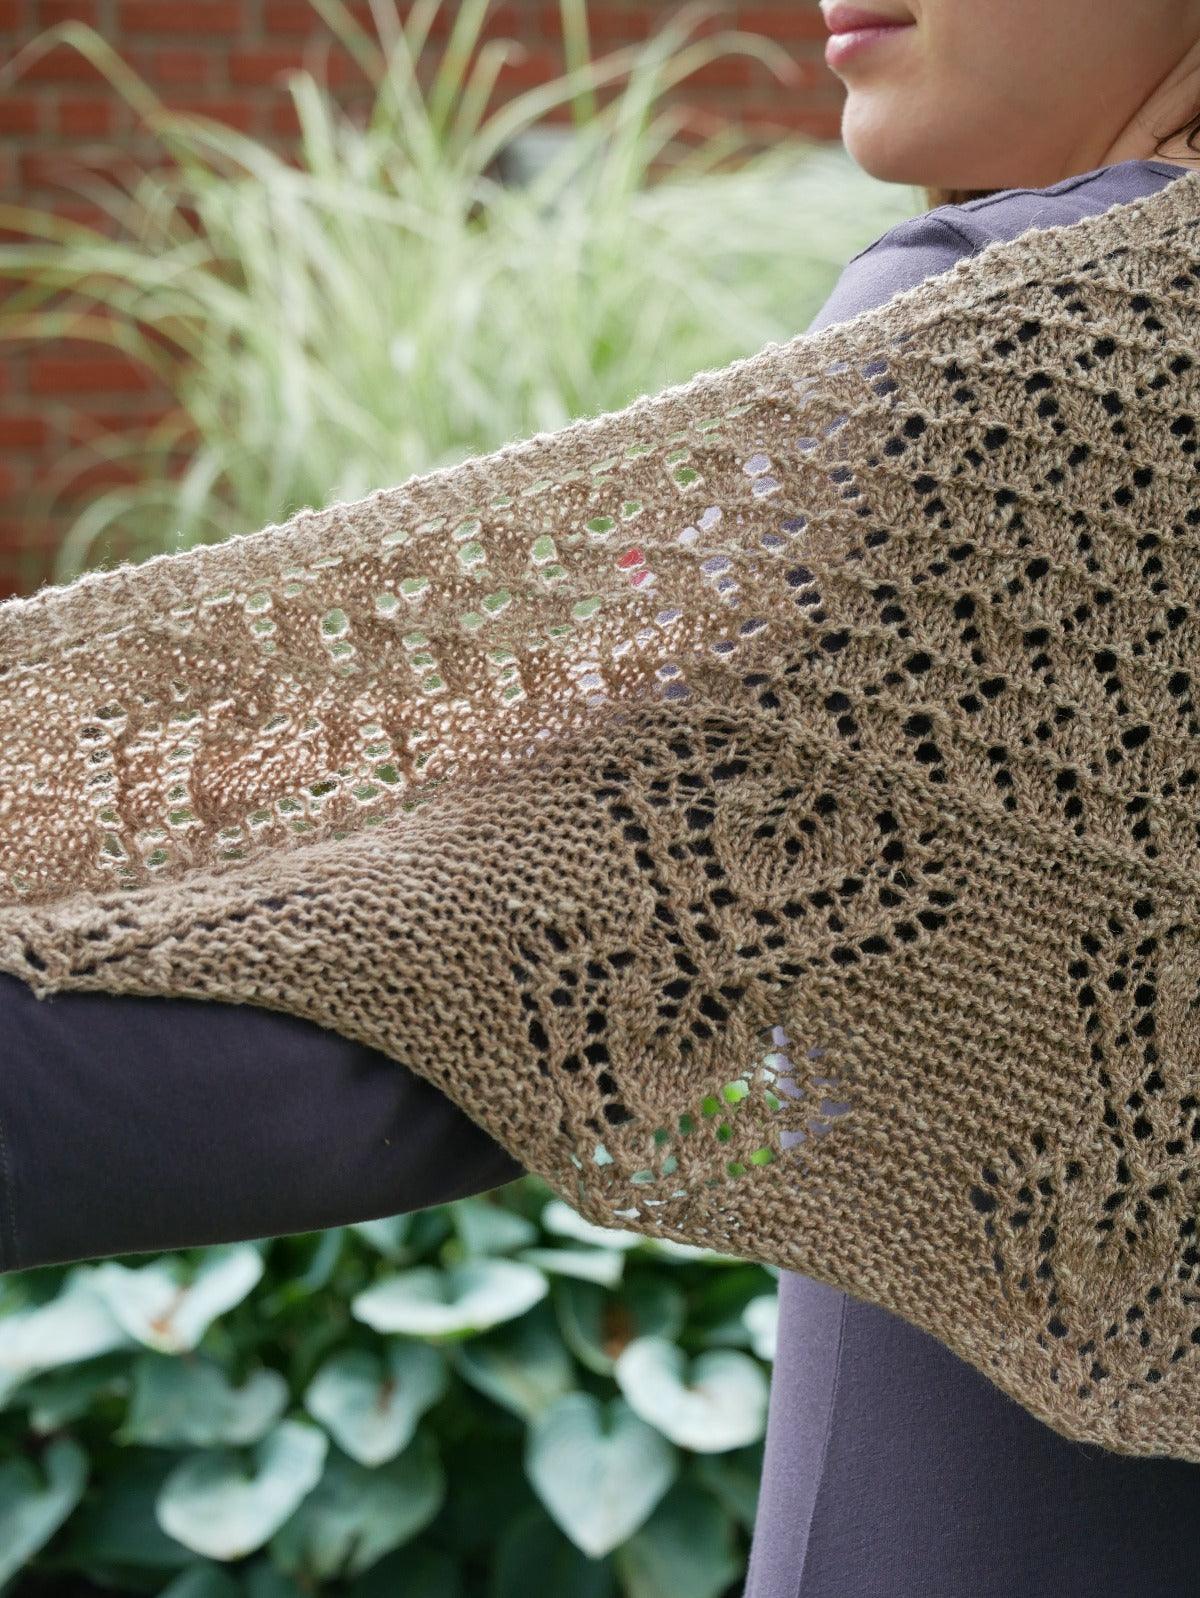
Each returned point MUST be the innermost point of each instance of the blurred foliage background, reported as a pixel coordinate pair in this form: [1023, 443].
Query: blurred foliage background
[486, 1397]
[490, 1397]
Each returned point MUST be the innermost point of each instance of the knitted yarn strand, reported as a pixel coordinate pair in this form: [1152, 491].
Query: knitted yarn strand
[768, 809]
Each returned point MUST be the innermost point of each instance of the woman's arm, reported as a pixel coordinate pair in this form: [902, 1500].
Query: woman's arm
[132, 1124]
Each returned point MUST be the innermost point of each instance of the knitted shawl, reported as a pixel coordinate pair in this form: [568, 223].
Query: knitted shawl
[769, 810]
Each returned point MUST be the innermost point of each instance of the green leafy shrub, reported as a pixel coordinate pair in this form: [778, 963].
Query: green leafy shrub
[418, 1405]
[432, 1405]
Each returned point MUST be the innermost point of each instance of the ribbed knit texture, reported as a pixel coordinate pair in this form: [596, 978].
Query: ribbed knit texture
[770, 809]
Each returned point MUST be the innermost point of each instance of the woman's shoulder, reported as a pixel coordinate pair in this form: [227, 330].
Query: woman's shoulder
[1011, 211]
[931, 242]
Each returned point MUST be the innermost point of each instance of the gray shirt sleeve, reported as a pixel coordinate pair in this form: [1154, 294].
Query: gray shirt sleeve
[922, 246]
[905, 256]
[133, 1124]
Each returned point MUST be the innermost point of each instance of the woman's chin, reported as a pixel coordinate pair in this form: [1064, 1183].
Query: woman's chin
[869, 135]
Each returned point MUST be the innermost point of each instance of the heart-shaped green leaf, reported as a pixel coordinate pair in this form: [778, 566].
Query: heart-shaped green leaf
[522, 1365]
[761, 1317]
[202, 1581]
[191, 1403]
[58, 1397]
[430, 1228]
[559, 1218]
[262, 1579]
[36, 1499]
[75, 1325]
[387, 1236]
[355, 1516]
[322, 1263]
[487, 1228]
[463, 1298]
[603, 1265]
[671, 1249]
[161, 1308]
[686, 1549]
[216, 1506]
[371, 1406]
[597, 1322]
[714, 1402]
[599, 1470]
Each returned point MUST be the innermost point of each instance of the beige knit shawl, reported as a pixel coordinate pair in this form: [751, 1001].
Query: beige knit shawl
[770, 810]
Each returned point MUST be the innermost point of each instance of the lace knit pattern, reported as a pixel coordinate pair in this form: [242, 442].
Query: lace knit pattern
[770, 810]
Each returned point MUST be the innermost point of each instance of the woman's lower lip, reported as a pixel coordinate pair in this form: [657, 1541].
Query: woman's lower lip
[840, 46]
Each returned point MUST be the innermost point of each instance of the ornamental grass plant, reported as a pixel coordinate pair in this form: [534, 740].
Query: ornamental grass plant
[385, 302]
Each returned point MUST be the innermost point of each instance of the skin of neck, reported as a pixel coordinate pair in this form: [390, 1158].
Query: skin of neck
[1175, 100]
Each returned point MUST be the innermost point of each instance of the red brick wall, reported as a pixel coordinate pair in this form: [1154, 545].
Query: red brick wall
[223, 57]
